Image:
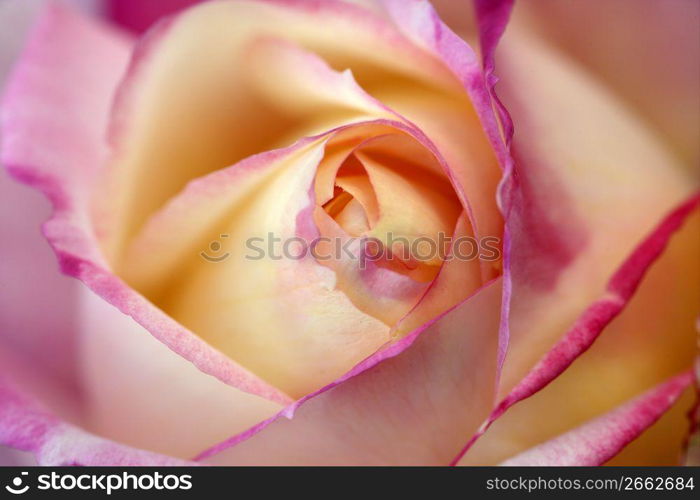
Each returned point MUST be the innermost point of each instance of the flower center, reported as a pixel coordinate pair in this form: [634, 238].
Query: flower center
[387, 190]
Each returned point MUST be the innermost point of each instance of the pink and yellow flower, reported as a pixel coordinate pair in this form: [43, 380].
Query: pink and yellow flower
[345, 119]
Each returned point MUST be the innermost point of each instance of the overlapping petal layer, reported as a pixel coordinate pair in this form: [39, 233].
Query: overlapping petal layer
[569, 175]
[646, 339]
[285, 320]
[242, 110]
[139, 393]
[410, 408]
[595, 442]
[562, 236]
[26, 426]
[69, 121]
[567, 183]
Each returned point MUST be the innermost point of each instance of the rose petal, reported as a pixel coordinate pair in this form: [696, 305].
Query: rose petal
[68, 118]
[619, 291]
[663, 443]
[400, 346]
[458, 275]
[578, 200]
[45, 341]
[557, 240]
[169, 96]
[650, 338]
[26, 426]
[411, 206]
[660, 82]
[154, 252]
[537, 232]
[595, 442]
[141, 394]
[419, 21]
[391, 409]
[244, 324]
[381, 292]
[260, 334]
[283, 318]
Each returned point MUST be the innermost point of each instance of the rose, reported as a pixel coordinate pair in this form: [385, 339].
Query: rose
[424, 334]
[578, 182]
[339, 456]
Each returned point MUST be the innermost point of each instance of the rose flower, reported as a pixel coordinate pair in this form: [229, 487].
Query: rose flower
[349, 232]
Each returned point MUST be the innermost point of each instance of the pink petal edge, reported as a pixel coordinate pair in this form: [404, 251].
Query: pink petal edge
[372, 361]
[599, 440]
[591, 323]
[420, 22]
[492, 19]
[24, 425]
[32, 93]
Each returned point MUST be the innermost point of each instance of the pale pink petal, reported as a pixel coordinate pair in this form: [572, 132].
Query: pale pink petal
[597, 441]
[29, 275]
[41, 349]
[660, 81]
[492, 18]
[393, 409]
[140, 393]
[546, 102]
[650, 339]
[24, 425]
[558, 225]
[576, 246]
[589, 325]
[67, 117]
[579, 199]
